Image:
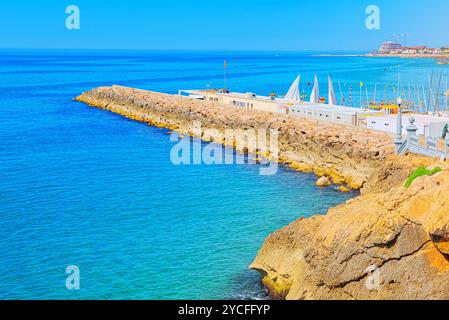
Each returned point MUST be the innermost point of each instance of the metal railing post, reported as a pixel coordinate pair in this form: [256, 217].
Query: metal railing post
[411, 133]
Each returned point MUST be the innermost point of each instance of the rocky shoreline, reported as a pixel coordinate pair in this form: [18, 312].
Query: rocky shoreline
[440, 58]
[402, 55]
[402, 233]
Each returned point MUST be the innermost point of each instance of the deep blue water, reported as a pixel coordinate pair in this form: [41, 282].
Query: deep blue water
[80, 186]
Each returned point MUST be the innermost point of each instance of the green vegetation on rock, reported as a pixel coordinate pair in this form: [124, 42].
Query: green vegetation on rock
[421, 171]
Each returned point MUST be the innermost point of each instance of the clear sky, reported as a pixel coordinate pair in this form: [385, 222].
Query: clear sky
[221, 25]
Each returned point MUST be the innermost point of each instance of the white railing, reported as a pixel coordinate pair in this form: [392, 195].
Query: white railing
[430, 149]
[403, 148]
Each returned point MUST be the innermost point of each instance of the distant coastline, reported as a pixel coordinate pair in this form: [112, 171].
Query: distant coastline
[442, 59]
[338, 55]
[395, 49]
[386, 55]
[401, 55]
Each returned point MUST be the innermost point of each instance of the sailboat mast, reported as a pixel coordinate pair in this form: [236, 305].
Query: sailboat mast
[367, 96]
[409, 92]
[342, 98]
[430, 92]
[437, 98]
[446, 93]
[350, 95]
[361, 95]
[418, 96]
[426, 106]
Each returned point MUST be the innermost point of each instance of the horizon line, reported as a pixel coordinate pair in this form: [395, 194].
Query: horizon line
[192, 50]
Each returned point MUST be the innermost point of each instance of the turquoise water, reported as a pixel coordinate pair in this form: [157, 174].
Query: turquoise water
[80, 186]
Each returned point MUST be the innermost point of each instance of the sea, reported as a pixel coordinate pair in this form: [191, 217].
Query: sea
[92, 207]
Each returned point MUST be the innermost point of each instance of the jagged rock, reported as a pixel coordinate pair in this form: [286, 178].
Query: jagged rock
[323, 182]
[403, 233]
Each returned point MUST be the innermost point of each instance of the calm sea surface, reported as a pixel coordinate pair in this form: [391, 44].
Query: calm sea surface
[84, 187]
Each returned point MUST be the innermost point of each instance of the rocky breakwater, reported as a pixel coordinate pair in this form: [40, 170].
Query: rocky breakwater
[346, 155]
[391, 242]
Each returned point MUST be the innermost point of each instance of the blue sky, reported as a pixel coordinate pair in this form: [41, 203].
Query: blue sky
[221, 25]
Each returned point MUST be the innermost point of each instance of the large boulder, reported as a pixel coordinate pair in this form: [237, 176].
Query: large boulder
[323, 182]
[390, 245]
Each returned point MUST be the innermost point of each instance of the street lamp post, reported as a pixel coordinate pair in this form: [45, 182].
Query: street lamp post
[398, 141]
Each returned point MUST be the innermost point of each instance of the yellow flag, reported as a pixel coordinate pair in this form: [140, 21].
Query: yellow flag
[361, 84]
[225, 64]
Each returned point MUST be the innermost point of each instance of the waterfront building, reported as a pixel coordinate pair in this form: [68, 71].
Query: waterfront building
[415, 50]
[379, 119]
[249, 100]
[389, 46]
[333, 113]
[396, 48]
[427, 125]
[290, 104]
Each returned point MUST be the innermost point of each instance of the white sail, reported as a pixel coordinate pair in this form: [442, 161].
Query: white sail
[315, 95]
[332, 98]
[293, 92]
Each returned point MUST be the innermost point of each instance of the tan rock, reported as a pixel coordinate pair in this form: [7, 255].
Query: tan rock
[323, 182]
[403, 233]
